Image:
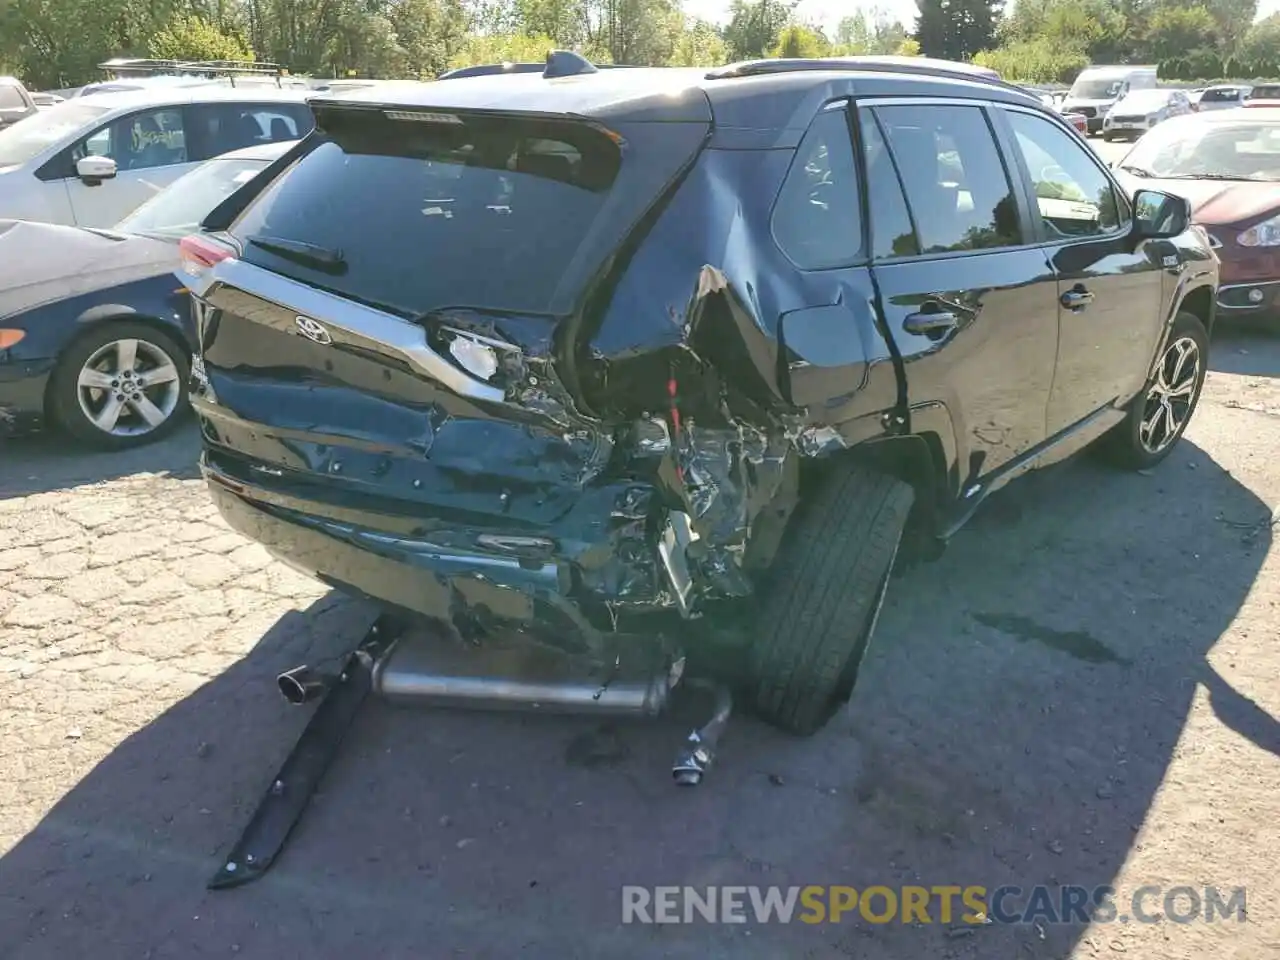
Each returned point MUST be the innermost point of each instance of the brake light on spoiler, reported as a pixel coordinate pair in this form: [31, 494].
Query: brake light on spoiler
[200, 253]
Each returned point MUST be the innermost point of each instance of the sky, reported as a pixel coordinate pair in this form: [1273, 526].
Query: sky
[829, 12]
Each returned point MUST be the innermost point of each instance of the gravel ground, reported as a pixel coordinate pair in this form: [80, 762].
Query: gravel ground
[1083, 690]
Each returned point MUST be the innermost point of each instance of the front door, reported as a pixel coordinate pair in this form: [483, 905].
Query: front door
[150, 150]
[1109, 288]
[970, 302]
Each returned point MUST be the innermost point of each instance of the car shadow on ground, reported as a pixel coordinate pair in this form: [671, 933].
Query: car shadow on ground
[1016, 717]
[51, 461]
[1246, 349]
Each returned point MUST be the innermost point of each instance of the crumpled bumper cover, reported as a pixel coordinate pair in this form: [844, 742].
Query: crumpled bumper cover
[477, 578]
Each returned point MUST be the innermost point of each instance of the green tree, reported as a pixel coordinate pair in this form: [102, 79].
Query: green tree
[1178, 31]
[797, 41]
[874, 33]
[755, 26]
[956, 29]
[188, 37]
[699, 45]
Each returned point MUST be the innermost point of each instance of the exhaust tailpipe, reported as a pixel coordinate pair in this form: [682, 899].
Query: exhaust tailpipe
[518, 677]
[302, 685]
[699, 750]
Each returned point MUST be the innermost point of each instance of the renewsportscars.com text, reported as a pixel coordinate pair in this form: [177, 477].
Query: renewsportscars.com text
[944, 904]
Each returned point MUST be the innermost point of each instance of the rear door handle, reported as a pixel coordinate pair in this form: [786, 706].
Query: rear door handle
[1077, 298]
[930, 323]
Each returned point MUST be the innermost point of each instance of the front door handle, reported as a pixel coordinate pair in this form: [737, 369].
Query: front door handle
[934, 323]
[1077, 298]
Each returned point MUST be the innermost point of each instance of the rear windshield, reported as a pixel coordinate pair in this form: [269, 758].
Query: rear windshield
[1219, 96]
[416, 215]
[1265, 93]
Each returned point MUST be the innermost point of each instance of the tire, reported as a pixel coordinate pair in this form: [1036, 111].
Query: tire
[819, 606]
[1107, 137]
[97, 354]
[1130, 443]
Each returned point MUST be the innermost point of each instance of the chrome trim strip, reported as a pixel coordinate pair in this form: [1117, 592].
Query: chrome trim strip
[1245, 286]
[356, 320]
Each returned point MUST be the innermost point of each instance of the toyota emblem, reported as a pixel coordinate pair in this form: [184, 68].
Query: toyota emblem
[313, 330]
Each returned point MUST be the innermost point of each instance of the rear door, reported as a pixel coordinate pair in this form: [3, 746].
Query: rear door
[969, 298]
[1110, 290]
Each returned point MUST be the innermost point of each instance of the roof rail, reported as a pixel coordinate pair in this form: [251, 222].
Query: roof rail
[122, 67]
[920, 66]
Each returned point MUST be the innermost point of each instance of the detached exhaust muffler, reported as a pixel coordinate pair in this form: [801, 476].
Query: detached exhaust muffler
[523, 676]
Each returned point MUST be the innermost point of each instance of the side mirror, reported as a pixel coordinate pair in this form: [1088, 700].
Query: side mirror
[1159, 216]
[93, 170]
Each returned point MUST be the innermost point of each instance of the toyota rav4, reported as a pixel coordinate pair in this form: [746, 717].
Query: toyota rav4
[677, 354]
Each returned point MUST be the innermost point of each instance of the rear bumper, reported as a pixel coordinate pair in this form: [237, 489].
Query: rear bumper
[569, 593]
[22, 390]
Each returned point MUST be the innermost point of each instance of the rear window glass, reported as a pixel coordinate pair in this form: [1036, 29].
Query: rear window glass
[413, 216]
[1219, 96]
[10, 97]
[1265, 93]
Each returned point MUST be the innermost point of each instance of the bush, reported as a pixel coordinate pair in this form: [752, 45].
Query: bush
[1034, 61]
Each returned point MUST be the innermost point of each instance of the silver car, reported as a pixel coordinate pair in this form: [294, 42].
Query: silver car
[1139, 111]
[1223, 97]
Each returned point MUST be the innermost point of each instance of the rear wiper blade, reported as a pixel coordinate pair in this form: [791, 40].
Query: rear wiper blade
[309, 254]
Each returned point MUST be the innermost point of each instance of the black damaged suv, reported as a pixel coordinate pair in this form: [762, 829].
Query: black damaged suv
[585, 354]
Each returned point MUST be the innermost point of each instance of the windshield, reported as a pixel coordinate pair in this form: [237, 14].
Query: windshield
[1242, 150]
[28, 139]
[1143, 100]
[1097, 89]
[178, 210]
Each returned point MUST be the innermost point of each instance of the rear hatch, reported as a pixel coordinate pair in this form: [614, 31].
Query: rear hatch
[392, 337]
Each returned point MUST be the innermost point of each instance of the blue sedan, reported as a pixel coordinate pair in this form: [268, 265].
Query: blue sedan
[95, 332]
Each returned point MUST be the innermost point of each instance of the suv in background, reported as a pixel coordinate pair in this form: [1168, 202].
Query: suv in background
[15, 102]
[670, 356]
[90, 161]
[1223, 97]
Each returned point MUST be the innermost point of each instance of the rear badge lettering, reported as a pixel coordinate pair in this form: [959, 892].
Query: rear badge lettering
[313, 330]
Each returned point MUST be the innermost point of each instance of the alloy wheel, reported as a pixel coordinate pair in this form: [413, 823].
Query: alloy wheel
[128, 387]
[1171, 396]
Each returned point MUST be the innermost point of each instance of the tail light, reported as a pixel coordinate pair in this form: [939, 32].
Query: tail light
[200, 253]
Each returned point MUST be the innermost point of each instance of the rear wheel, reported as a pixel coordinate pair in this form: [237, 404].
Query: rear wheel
[120, 385]
[820, 605]
[1159, 415]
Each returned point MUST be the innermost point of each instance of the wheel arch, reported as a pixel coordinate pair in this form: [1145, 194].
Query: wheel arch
[1200, 303]
[98, 316]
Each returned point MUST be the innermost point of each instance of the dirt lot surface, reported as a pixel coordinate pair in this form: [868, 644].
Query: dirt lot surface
[1083, 690]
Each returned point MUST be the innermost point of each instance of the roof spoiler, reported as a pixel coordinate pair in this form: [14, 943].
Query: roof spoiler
[559, 63]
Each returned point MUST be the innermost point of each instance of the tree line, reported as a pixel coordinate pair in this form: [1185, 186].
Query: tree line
[58, 43]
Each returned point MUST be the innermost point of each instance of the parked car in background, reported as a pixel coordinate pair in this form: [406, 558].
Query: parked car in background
[90, 161]
[737, 428]
[1265, 95]
[1097, 89]
[1137, 112]
[15, 102]
[1228, 165]
[1223, 97]
[43, 100]
[95, 334]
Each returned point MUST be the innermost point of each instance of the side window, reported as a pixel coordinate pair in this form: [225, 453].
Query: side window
[955, 180]
[815, 218]
[11, 98]
[1075, 198]
[138, 141]
[892, 234]
[223, 127]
